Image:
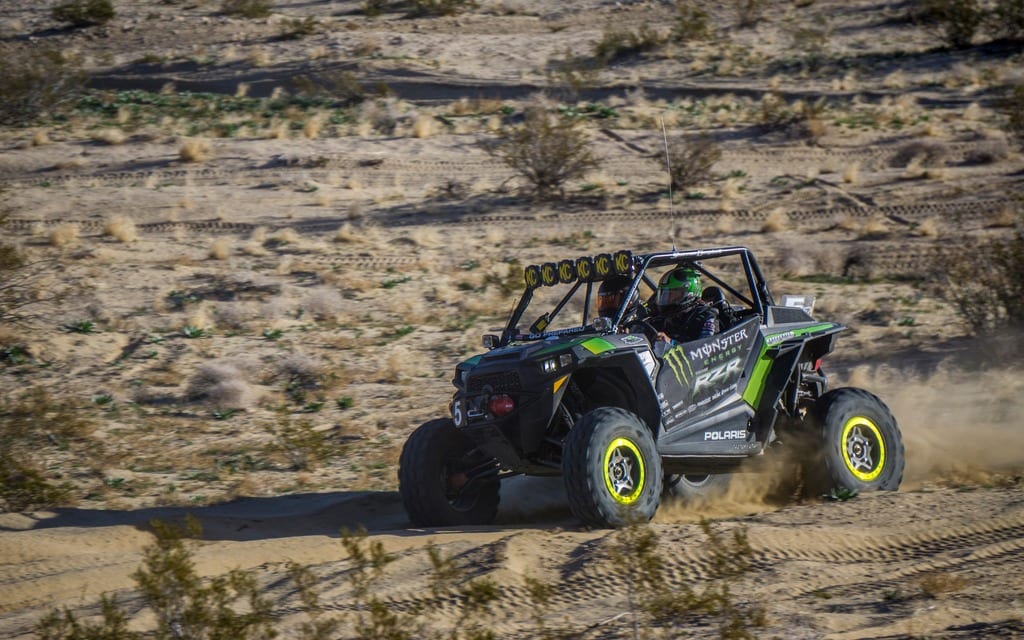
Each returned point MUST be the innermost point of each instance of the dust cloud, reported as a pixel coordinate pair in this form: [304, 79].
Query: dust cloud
[958, 426]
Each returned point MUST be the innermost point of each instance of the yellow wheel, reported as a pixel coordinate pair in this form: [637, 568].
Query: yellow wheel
[611, 469]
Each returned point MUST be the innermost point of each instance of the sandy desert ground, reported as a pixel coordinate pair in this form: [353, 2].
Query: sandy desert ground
[246, 265]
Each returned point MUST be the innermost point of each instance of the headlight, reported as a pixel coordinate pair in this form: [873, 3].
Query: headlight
[549, 366]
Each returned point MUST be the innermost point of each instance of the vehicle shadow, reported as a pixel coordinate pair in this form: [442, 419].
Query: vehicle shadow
[530, 503]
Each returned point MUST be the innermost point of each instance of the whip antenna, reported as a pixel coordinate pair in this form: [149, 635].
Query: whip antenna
[671, 198]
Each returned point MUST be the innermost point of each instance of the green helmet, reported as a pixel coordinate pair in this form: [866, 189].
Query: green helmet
[678, 288]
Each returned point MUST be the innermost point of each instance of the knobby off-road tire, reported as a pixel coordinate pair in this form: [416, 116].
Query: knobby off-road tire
[694, 489]
[611, 469]
[861, 444]
[432, 480]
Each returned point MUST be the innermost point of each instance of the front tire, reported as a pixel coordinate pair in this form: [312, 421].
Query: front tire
[611, 469]
[861, 445]
[443, 481]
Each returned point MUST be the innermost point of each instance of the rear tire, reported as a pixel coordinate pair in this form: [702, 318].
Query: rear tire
[433, 483]
[693, 489]
[611, 469]
[861, 445]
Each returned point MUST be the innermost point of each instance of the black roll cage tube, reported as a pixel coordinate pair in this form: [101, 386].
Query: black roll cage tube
[761, 296]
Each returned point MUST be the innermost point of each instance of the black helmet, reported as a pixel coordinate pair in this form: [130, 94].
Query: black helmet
[611, 293]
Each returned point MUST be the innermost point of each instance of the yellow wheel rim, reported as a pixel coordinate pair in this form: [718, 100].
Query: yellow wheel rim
[863, 448]
[624, 472]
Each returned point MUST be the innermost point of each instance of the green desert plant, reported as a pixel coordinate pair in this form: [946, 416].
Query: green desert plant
[31, 422]
[304, 446]
[691, 23]
[63, 625]
[1007, 19]
[35, 82]
[955, 21]
[373, 619]
[653, 599]
[190, 608]
[84, 13]
[247, 8]
[616, 44]
[546, 152]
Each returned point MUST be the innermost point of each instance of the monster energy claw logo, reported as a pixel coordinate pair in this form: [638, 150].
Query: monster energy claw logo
[679, 364]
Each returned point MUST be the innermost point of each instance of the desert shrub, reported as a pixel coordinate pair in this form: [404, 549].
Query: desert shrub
[1008, 19]
[749, 12]
[247, 8]
[342, 86]
[1012, 107]
[25, 292]
[84, 13]
[304, 446]
[440, 7]
[188, 607]
[35, 82]
[922, 153]
[955, 21]
[296, 29]
[63, 625]
[812, 38]
[31, 423]
[545, 151]
[222, 385]
[691, 23]
[691, 161]
[570, 75]
[985, 284]
[650, 593]
[616, 44]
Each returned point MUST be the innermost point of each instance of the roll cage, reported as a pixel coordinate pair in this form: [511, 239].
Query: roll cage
[585, 271]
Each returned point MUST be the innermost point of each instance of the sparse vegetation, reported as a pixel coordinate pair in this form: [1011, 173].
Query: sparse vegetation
[84, 13]
[616, 44]
[692, 23]
[985, 284]
[247, 8]
[35, 82]
[1012, 108]
[31, 423]
[546, 152]
[691, 161]
[955, 21]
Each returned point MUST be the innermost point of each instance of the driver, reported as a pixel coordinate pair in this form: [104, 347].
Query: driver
[682, 315]
[612, 293]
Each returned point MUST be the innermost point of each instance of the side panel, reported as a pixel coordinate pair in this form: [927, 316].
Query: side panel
[699, 389]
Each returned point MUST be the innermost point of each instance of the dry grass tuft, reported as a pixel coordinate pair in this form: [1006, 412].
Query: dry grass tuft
[776, 221]
[852, 173]
[195, 150]
[64, 234]
[220, 249]
[323, 304]
[424, 126]
[929, 228]
[348, 234]
[110, 136]
[122, 229]
[221, 385]
[875, 229]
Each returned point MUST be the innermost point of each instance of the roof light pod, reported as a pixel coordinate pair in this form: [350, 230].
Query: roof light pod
[549, 274]
[566, 271]
[585, 268]
[603, 265]
[532, 276]
[623, 262]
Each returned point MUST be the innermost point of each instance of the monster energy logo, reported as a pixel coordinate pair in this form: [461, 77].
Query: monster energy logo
[679, 364]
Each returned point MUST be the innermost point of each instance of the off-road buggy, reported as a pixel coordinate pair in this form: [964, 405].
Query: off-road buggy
[594, 399]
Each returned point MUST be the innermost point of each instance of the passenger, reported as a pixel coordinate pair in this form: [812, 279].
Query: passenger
[681, 314]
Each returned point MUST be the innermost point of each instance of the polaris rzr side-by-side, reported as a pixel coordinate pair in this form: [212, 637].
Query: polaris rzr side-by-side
[598, 400]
